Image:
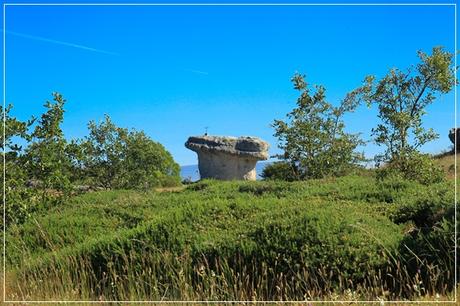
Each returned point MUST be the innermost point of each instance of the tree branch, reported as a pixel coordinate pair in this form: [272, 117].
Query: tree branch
[425, 85]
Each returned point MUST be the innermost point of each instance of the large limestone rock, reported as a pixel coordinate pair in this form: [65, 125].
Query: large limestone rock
[228, 158]
[455, 133]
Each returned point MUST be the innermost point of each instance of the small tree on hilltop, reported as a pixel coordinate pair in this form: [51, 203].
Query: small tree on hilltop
[19, 203]
[402, 98]
[313, 139]
[116, 157]
[47, 159]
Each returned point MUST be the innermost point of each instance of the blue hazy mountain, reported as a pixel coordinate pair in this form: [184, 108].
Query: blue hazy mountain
[191, 171]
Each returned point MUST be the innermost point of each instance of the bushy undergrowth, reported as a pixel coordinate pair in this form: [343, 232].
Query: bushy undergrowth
[421, 168]
[279, 170]
[240, 241]
[43, 168]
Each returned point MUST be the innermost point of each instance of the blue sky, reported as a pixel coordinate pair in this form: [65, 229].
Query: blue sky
[172, 71]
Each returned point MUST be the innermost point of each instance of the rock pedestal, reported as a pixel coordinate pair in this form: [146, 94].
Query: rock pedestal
[228, 158]
[455, 133]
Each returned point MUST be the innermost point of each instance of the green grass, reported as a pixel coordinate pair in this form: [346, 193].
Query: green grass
[447, 162]
[317, 239]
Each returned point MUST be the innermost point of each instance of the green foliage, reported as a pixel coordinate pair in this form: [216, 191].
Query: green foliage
[115, 157]
[288, 234]
[266, 189]
[402, 98]
[414, 166]
[274, 240]
[427, 208]
[13, 128]
[46, 155]
[39, 174]
[279, 171]
[313, 140]
[429, 219]
[19, 204]
[20, 201]
[329, 235]
[49, 168]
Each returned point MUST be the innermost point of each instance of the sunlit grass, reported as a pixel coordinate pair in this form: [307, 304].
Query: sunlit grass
[332, 239]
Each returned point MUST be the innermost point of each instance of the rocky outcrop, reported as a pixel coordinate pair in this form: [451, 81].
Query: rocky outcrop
[455, 133]
[228, 158]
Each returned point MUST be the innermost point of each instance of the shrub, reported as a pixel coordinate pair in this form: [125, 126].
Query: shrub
[415, 166]
[426, 207]
[19, 199]
[199, 186]
[428, 249]
[279, 171]
[116, 157]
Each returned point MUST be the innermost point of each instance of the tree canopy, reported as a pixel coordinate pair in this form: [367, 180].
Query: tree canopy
[313, 139]
[402, 97]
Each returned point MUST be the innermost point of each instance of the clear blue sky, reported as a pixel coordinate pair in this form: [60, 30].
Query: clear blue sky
[172, 71]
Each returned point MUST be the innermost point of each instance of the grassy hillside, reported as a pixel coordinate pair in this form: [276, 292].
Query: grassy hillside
[212, 240]
[447, 162]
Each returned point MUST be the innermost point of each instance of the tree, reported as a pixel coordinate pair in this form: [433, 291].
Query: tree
[119, 158]
[19, 203]
[313, 139]
[13, 128]
[402, 98]
[46, 157]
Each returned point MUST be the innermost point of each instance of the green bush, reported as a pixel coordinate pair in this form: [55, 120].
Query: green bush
[415, 166]
[426, 207]
[38, 174]
[118, 158]
[19, 199]
[280, 171]
[48, 167]
[427, 250]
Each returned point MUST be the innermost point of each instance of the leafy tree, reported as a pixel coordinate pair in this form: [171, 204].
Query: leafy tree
[313, 139]
[402, 98]
[102, 152]
[75, 154]
[13, 128]
[47, 158]
[18, 198]
[119, 158]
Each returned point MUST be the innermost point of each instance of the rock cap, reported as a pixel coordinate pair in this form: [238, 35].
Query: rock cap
[454, 133]
[244, 146]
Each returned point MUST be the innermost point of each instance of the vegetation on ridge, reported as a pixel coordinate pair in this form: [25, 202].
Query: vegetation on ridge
[320, 227]
[241, 240]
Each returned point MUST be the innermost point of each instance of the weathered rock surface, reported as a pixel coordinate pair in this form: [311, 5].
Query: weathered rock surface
[228, 158]
[455, 133]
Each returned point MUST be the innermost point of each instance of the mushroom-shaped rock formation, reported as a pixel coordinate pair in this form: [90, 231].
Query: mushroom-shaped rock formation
[228, 158]
[455, 133]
